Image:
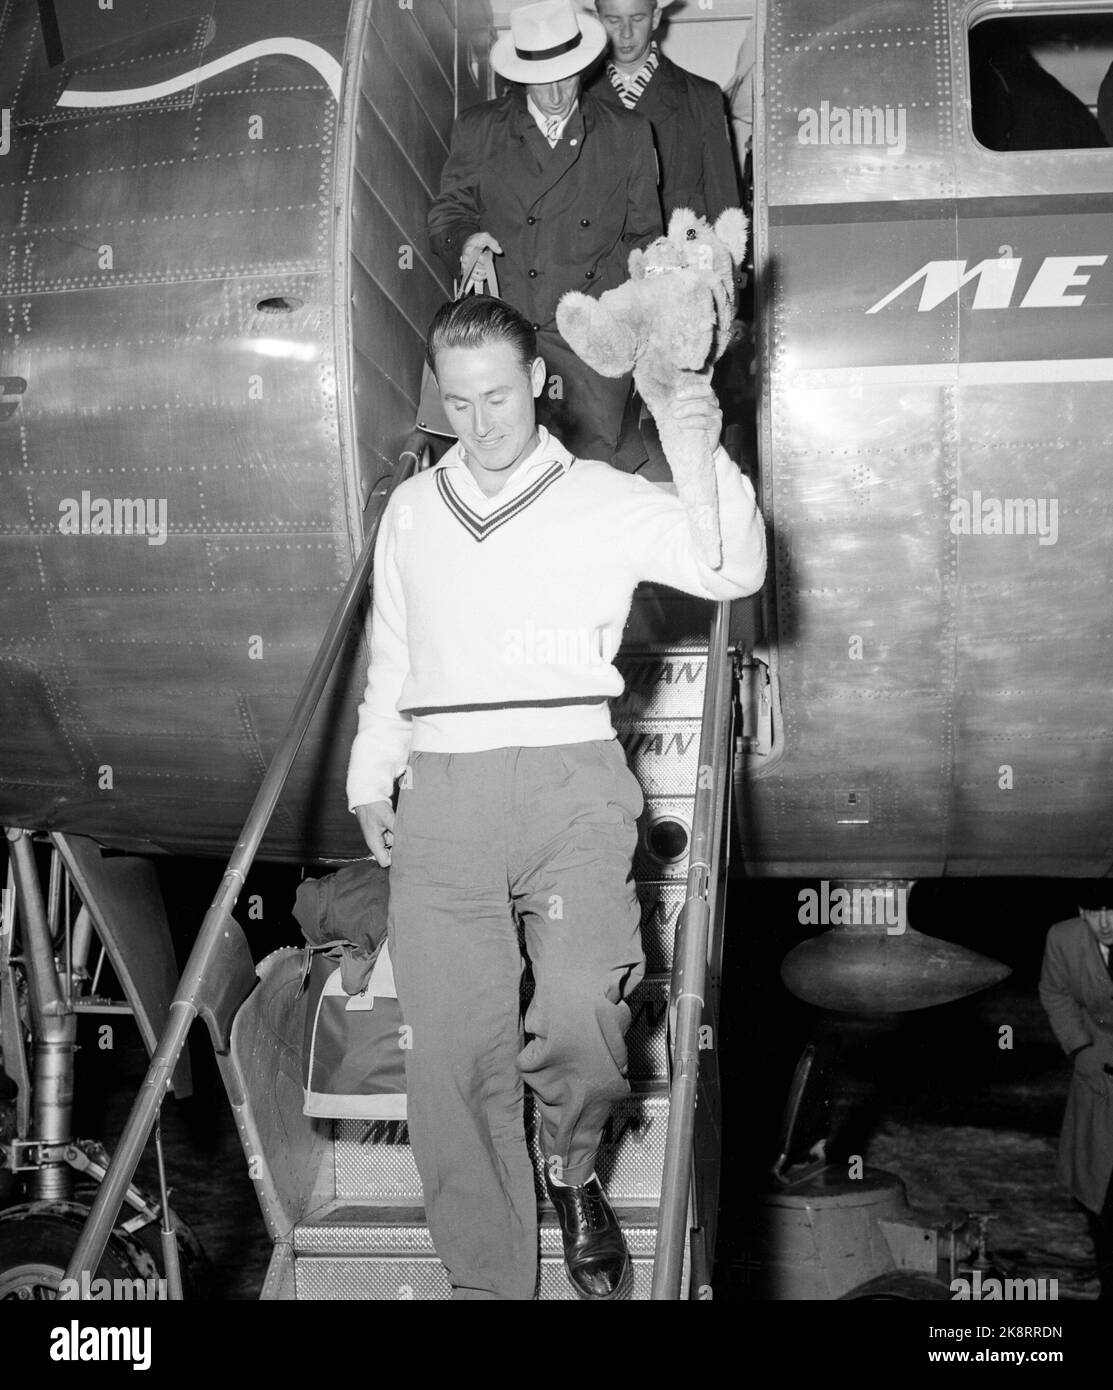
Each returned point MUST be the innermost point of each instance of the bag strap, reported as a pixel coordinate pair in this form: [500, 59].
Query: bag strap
[482, 273]
[355, 963]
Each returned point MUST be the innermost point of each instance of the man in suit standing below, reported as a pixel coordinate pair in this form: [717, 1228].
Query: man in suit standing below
[561, 187]
[1076, 990]
[687, 113]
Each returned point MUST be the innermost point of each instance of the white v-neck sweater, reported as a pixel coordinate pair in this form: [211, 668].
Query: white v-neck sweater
[495, 620]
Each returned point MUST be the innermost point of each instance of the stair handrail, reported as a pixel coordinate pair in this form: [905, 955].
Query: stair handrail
[211, 940]
[689, 974]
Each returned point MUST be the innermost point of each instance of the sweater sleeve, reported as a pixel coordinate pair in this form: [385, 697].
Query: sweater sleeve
[382, 742]
[1064, 1012]
[664, 548]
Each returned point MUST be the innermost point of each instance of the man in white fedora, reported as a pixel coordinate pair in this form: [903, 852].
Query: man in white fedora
[687, 113]
[561, 187]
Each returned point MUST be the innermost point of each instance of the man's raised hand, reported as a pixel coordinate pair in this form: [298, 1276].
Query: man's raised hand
[376, 820]
[695, 407]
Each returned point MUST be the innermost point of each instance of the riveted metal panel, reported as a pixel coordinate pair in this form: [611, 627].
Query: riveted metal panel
[216, 301]
[942, 690]
[857, 100]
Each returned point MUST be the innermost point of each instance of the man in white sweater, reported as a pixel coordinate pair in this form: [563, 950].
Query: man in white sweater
[503, 581]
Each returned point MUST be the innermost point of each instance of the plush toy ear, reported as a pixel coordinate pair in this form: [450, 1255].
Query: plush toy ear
[733, 230]
[681, 222]
[596, 335]
[635, 264]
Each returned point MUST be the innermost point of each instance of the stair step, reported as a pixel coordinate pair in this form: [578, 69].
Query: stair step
[352, 1255]
[662, 753]
[661, 901]
[661, 683]
[330, 1277]
[374, 1160]
[363, 1227]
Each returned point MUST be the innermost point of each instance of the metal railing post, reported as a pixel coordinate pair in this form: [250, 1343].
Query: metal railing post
[690, 965]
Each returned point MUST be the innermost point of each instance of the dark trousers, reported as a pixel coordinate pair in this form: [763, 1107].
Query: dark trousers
[582, 408]
[1101, 1233]
[546, 835]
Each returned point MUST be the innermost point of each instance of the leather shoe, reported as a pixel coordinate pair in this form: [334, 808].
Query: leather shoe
[595, 1253]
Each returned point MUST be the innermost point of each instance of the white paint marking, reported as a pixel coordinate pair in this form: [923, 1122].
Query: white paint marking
[310, 53]
[956, 373]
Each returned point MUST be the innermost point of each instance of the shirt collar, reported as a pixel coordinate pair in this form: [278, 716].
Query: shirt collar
[643, 74]
[549, 450]
[541, 120]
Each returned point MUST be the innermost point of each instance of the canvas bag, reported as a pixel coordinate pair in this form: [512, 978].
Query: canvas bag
[352, 1059]
[353, 1054]
[430, 413]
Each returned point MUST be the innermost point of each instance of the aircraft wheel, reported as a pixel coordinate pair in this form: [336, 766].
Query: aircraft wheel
[36, 1241]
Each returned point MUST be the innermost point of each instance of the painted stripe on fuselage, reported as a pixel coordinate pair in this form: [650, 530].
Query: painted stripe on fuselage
[939, 209]
[310, 53]
[1015, 373]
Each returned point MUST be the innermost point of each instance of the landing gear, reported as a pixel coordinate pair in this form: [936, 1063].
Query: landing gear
[36, 1241]
[45, 983]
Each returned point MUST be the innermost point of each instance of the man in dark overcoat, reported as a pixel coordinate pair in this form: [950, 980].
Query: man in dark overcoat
[687, 113]
[561, 187]
[1076, 990]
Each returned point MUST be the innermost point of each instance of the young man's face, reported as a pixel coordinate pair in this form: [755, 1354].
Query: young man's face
[629, 25]
[488, 396]
[1100, 922]
[556, 98]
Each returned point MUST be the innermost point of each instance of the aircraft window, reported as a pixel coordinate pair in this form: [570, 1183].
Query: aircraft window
[1042, 82]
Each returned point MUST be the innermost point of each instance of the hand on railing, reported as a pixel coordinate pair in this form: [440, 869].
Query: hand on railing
[376, 820]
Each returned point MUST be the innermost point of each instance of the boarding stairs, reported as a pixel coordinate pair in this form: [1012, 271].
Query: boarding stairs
[342, 1199]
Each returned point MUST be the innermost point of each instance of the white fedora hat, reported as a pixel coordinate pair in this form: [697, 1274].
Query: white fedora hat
[547, 42]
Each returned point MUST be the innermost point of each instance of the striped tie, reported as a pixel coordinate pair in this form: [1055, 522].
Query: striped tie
[552, 130]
